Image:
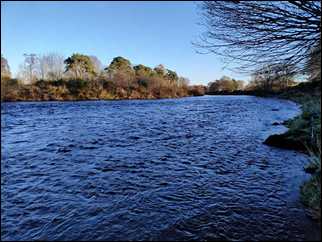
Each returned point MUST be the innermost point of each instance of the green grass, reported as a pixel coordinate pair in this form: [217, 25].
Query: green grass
[306, 128]
[311, 195]
[311, 189]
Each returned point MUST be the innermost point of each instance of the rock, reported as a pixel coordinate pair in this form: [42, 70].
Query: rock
[275, 109]
[282, 141]
[276, 123]
[311, 168]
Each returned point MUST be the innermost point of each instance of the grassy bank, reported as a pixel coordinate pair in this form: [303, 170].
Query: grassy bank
[306, 128]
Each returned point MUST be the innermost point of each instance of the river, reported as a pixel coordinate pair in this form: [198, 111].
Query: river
[172, 169]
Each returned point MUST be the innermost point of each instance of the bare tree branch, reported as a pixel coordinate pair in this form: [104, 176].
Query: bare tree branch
[256, 33]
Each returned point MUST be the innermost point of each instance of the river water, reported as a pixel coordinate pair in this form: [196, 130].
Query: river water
[173, 169]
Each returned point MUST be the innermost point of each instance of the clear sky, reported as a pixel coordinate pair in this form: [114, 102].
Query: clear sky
[148, 33]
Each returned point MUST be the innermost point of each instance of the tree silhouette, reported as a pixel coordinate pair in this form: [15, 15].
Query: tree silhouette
[257, 33]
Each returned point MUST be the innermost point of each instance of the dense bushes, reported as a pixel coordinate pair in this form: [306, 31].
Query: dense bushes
[225, 84]
[75, 86]
[80, 89]
[81, 81]
[197, 90]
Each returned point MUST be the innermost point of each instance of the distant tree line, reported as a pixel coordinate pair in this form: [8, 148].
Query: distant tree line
[270, 77]
[78, 77]
[266, 79]
[225, 84]
[273, 78]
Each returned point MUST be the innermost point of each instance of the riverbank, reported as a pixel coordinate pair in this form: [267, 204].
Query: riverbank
[304, 130]
[305, 134]
[12, 90]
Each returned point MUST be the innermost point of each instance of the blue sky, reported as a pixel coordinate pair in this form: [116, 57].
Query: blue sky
[148, 33]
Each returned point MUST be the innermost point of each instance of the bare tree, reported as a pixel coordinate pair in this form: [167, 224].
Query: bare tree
[43, 66]
[274, 76]
[256, 33]
[30, 64]
[313, 65]
[51, 66]
[5, 69]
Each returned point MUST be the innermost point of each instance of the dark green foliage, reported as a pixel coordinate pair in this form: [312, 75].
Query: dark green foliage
[75, 86]
[311, 195]
[142, 70]
[57, 83]
[119, 64]
[143, 83]
[172, 75]
[79, 65]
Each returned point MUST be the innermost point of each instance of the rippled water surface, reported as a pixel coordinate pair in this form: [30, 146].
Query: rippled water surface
[190, 168]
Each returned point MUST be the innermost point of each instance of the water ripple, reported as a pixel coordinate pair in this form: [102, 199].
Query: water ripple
[184, 169]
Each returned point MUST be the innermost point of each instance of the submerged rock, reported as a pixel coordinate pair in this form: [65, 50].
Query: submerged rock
[283, 141]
